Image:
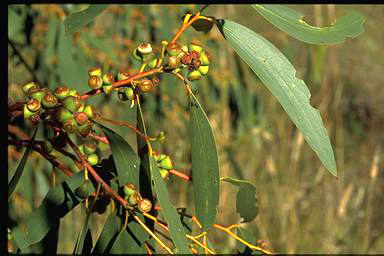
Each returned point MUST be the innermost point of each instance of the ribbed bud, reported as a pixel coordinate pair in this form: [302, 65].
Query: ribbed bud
[134, 199]
[33, 105]
[35, 118]
[108, 78]
[49, 100]
[173, 62]
[144, 48]
[70, 125]
[73, 92]
[81, 107]
[129, 189]
[61, 92]
[195, 47]
[89, 148]
[63, 114]
[71, 103]
[166, 163]
[95, 82]
[47, 146]
[186, 59]
[107, 89]
[28, 86]
[93, 159]
[173, 49]
[90, 111]
[122, 75]
[194, 75]
[36, 93]
[195, 55]
[146, 86]
[203, 70]
[26, 112]
[204, 58]
[94, 71]
[136, 54]
[145, 205]
[80, 117]
[85, 129]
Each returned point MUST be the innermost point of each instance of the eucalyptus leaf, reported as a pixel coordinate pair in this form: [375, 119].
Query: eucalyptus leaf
[247, 236]
[246, 200]
[205, 165]
[278, 75]
[291, 22]
[76, 20]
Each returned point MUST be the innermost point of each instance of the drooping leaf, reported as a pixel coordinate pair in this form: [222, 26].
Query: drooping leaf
[278, 75]
[76, 20]
[246, 200]
[291, 22]
[83, 244]
[57, 203]
[126, 160]
[20, 167]
[205, 165]
[107, 236]
[169, 212]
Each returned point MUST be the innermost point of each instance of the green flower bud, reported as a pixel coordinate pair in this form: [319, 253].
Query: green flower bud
[85, 129]
[108, 78]
[122, 75]
[184, 48]
[137, 55]
[160, 157]
[94, 71]
[152, 63]
[26, 112]
[49, 100]
[47, 146]
[164, 173]
[173, 62]
[107, 89]
[161, 137]
[166, 163]
[129, 189]
[194, 75]
[93, 159]
[203, 70]
[84, 190]
[70, 125]
[63, 114]
[173, 49]
[71, 103]
[35, 118]
[81, 149]
[95, 82]
[90, 111]
[89, 148]
[36, 93]
[33, 105]
[61, 92]
[129, 93]
[145, 205]
[80, 117]
[73, 92]
[195, 47]
[28, 86]
[144, 48]
[204, 58]
[146, 86]
[134, 199]
[81, 107]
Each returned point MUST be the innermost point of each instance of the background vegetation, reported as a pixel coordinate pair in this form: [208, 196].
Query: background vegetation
[302, 208]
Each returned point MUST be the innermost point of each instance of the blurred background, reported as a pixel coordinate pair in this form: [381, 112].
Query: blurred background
[302, 207]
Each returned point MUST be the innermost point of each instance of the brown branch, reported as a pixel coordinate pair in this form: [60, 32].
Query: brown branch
[98, 137]
[126, 124]
[18, 132]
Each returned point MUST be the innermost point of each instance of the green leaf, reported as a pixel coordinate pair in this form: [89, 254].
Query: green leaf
[130, 240]
[126, 160]
[291, 22]
[168, 210]
[57, 203]
[20, 167]
[76, 20]
[278, 75]
[108, 235]
[246, 200]
[247, 236]
[205, 165]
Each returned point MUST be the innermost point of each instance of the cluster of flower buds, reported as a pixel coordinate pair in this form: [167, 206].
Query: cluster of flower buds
[164, 163]
[90, 151]
[99, 80]
[133, 197]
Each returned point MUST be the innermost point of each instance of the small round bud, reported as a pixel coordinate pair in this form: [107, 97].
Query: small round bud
[186, 59]
[89, 148]
[108, 78]
[70, 125]
[63, 114]
[90, 111]
[195, 55]
[49, 100]
[94, 71]
[144, 48]
[145, 205]
[36, 93]
[152, 63]
[85, 129]
[129, 93]
[33, 105]
[61, 92]
[95, 82]
[173, 49]
[71, 103]
[122, 75]
[155, 80]
[194, 75]
[47, 146]
[107, 89]
[196, 63]
[161, 137]
[129, 189]
[146, 86]
[84, 190]
[28, 86]
[134, 198]
[26, 112]
[203, 70]
[80, 117]
[73, 92]
[93, 159]
[195, 47]
[204, 58]
[166, 163]
[173, 62]
[35, 118]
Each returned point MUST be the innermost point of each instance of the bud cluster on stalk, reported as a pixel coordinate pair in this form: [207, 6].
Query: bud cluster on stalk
[90, 151]
[134, 199]
[164, 163]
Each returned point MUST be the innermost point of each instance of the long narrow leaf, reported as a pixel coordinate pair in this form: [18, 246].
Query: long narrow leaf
[20, 168]
[75, 21]
[278, 75]
[291, 22]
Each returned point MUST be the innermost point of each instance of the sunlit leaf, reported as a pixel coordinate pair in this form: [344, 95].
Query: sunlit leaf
[246, 200]
[205, 165]
[76, 20]
[291, 22]
[278, 75]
